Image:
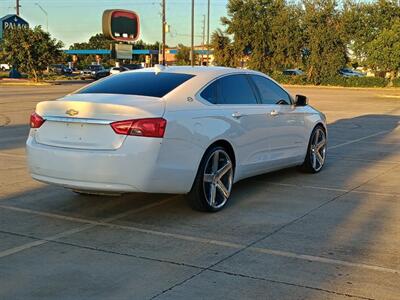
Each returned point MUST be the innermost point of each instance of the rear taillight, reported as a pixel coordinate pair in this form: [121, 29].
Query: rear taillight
[151, 127]
[36, 120]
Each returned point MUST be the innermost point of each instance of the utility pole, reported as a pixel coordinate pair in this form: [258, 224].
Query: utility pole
[208, 32]
[202, 44]
[164, 24]
[17, 6]
[192, 48]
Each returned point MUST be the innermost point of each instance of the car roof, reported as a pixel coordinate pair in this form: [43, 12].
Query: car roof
[196, 70]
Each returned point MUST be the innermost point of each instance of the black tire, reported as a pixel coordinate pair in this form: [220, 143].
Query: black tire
[308, 165]
[196, 198]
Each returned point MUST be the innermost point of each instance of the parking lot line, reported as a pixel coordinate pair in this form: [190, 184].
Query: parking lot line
[358, 140]
[333, 189]
[89, 225]
[363, 160]
[325, 260]
[105, 222]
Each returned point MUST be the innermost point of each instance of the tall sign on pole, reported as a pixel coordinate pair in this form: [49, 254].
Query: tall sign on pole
[121, 25]
[11, 21]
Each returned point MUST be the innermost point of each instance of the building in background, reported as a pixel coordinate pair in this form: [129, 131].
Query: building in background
[201, 55]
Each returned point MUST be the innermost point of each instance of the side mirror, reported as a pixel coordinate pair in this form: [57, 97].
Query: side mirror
[301, 100]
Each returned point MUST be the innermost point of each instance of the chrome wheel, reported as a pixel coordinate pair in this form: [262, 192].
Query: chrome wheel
[217, 179]
[318, 150]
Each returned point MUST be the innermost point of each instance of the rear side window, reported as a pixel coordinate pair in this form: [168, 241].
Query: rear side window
[270, 92]
[210, 93]
[236, 89]
[138, 83]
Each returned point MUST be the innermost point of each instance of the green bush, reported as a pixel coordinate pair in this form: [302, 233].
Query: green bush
[356, 81]
[286, 79]
[396, 82]
[336, 81]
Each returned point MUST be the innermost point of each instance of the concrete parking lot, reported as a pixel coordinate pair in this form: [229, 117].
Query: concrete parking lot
[284, 235]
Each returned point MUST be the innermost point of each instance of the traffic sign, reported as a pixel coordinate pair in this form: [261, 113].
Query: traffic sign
[121, 25]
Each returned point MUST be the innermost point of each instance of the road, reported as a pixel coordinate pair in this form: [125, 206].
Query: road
[284, 235]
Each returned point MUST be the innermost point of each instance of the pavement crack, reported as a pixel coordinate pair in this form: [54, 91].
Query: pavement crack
[291, 284]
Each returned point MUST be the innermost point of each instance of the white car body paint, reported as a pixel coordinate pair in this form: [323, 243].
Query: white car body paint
[80, 155]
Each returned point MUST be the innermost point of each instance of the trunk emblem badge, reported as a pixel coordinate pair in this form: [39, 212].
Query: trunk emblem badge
[72, 112]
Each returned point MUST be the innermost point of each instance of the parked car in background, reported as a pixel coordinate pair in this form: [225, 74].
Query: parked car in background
[293, 72]
[347, 72]
[5, 67]
[116, 70]
[183, 130]
[133, 66]
[60, 69]
[94, 72]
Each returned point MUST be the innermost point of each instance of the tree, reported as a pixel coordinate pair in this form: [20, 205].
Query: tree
[266, 33]
[383, 52]
[183, 55]
[223, 49]
[325, 39]
[365, 22]
[31, 50]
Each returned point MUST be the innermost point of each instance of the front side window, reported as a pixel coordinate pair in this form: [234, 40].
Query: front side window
[138, 83]
[270, 92]
[236, 89]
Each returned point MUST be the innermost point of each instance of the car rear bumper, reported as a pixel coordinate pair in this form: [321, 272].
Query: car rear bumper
[131, 168]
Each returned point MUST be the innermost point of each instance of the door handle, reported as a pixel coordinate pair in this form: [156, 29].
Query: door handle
[274, 113]
[237, 115]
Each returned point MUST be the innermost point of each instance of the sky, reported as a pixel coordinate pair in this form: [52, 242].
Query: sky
[76, 20]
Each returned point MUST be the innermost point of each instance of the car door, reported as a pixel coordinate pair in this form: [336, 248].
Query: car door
[238, 102]
[284, 122]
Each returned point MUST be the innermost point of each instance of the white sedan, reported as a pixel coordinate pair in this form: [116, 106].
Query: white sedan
[117, 70]
[185, 130]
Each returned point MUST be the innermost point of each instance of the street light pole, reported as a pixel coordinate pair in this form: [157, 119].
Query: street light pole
[208, 31]
[202, 43]
[47, 16]
[163, 32]
[192, 48]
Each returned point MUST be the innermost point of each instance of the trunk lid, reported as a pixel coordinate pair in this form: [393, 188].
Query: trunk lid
[82, 121]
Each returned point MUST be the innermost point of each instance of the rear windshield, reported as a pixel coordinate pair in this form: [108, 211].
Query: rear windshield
[138, 83]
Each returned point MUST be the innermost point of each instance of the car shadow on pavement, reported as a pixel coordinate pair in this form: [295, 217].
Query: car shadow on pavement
[358, 218]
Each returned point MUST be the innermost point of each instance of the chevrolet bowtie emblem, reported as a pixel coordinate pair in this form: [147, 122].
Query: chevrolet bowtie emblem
[72, 112]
